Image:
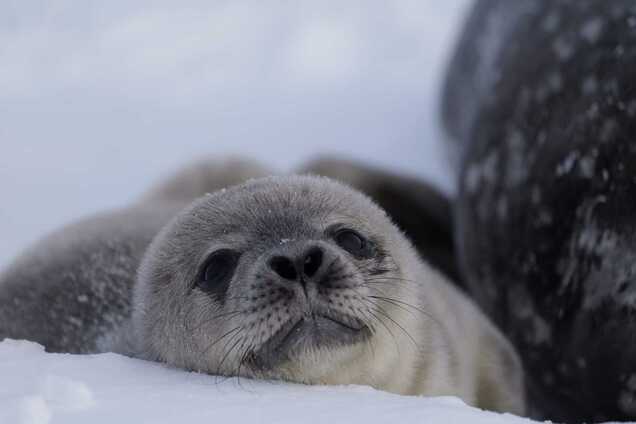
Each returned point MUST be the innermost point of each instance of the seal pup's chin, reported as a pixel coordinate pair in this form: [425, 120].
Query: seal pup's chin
[310, 332]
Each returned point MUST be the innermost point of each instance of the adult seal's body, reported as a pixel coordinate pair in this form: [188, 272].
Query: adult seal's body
[297, 278]
[541, 103]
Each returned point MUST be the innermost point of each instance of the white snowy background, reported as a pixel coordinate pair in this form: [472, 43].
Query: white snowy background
[98, 99]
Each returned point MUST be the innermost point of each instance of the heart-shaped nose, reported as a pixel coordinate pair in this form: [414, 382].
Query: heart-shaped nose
[306, 265]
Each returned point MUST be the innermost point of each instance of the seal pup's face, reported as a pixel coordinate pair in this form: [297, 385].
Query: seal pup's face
[259, 278]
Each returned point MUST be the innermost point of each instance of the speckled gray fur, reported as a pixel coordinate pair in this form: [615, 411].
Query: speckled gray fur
[72, 291]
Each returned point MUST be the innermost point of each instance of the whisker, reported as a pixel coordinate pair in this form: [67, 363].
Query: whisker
[208, 320]
[388, 329]
[383, 312]
[205, 351]
[402, 304]
[227, 353]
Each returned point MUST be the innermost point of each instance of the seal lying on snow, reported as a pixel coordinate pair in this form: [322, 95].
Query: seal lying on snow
[299, 278]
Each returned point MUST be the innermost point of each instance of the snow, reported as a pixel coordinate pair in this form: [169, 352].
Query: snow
[44, 388]
[99, 99]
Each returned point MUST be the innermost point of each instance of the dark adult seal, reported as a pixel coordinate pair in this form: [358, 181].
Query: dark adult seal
[541, 103]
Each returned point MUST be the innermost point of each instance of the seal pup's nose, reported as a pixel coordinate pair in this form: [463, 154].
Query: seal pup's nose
[304, 266]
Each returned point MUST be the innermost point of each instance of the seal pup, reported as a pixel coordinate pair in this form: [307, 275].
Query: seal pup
[304, 279]
[540, 102]
[298, 278]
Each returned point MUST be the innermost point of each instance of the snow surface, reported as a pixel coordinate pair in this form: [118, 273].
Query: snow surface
[43, 388]
[99, 99]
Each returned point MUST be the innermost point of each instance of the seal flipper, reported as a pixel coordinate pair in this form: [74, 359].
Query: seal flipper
[421, 211]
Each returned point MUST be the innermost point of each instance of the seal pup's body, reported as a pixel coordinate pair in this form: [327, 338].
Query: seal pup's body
[72, 291]
[296, 278]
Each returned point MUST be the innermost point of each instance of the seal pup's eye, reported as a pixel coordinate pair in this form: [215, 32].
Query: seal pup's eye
[354, 243]
[217, 272]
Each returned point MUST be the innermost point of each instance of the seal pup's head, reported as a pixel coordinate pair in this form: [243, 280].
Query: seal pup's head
[268, 277]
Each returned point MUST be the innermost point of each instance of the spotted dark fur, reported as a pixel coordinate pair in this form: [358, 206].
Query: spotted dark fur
[541, 102]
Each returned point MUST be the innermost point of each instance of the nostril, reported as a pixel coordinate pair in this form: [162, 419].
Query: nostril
[312, 262]
[284, 267]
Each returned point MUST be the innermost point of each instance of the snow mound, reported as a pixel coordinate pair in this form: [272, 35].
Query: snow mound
[45, 388]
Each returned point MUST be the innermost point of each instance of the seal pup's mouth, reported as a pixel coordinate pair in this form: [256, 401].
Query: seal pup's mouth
[309, 332]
